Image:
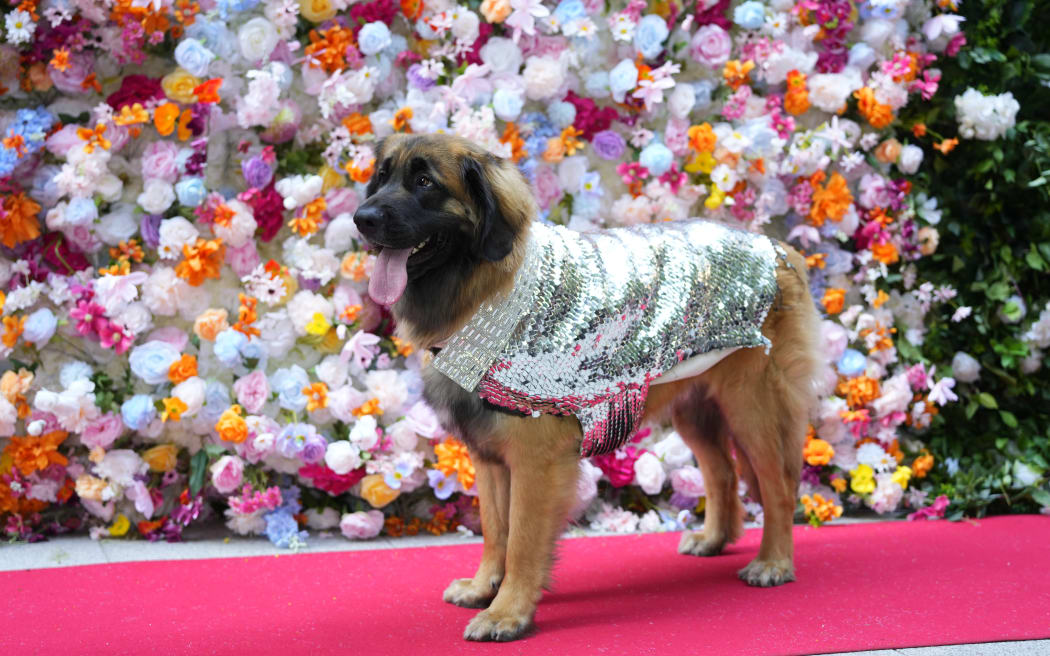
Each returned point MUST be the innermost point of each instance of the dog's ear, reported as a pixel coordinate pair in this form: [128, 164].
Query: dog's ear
[495, 237]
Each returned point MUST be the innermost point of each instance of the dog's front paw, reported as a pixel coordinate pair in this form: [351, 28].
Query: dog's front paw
[463, 592]
[767, 573]
[499, 626]
[694, 543]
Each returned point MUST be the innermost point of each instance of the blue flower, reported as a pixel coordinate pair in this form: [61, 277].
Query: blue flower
[39, 327]
[227, 347]
[597, 84]
[657, 158]
[216, 400]
[569, 10]
[301, 441]
[622, 78]
[283, 530]
[402, 470]
[507, 104]
[288, 384]
[227, 6]
[591, 184]
[30, 124]
[193, 56]
[190, 191]
[650, 35]
[703, 90]
[74, 371]
[138, 411]
[750, 15]
[214, 35]
[81, 211]
[152, 360]
[373, 37]
[562, 114]
[254, 353]
[587, 205]
[852, 363]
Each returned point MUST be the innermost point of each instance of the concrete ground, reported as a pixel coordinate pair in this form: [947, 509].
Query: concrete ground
[214, 542]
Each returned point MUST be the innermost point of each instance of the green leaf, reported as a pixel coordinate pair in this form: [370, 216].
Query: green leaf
[214, 450]
[1033, 260]
[198, 465]
[1008, 418]
[1042, 497]
[971, 409]
[1000, 443]
[987, 400]
[998, 292]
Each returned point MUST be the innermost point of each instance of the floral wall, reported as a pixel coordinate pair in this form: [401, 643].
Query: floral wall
[186, 326]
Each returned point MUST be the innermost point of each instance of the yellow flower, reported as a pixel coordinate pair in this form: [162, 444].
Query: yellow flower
[318, 325]
[161, 458]
[714, 201]
[179, 84]
[331, 178]
[375, 491]
[862, 479]
[902, 476]
[120, 526]
[316, 11]
[173, 409]
[838, 484]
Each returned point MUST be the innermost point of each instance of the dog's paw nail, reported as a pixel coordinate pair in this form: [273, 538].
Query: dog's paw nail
[765, 574]
[695, 544]
[462, 592]
[488, 626]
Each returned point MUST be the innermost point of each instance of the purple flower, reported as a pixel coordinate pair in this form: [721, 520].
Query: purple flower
[257, 173]
[150, 229]
[609, 145]
[443, 485]
[301, 441]
[420, 82]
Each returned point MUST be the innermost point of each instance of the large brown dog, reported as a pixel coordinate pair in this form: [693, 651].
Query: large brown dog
[455, 221]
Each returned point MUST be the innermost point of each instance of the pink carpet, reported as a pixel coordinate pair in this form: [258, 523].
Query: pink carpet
[859, 587]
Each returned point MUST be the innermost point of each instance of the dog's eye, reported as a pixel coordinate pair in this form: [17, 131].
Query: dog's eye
[423, 181]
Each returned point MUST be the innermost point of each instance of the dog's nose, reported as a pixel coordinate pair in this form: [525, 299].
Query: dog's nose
[368, 218]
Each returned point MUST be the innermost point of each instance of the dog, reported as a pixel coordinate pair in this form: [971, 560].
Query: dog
[451, 222]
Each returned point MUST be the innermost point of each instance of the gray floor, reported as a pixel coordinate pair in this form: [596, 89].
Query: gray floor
[214, 542]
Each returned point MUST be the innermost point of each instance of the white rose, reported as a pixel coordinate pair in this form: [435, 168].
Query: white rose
[118, 225]
[241, 227]
[157, 196]
[682, 100]
[277, 332]
[340, 233]
[363, 434]
[966, 368]
[8, 418]
[120, 467]
[649, 473]
[136, 318]
[109, 187]
[163, 290]
[332, 371]
[830, 91]
[544, 77]
[502, 55]
[389, 388]
[673, 451]
[257, 38]
[571, 171]
[465, 26]
[191, 392]
[342, 457]
[910, 159]
[174, 234]
[303, 307]
[323, 520]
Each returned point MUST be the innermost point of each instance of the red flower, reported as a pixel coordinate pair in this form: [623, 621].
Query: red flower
[619, 465]
[325, 479]
[135, 89]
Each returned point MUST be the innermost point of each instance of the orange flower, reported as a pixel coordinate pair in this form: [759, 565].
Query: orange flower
[173, 409]
[247, 315]
[13, 327]
[838, 484]
[94, 138]
[512, 136]
[18, 220]
[231, 426]
[210, 323]
[796, 100]
[831, 201]
[569, 141]
[307, 223]
[60, 60]
[369, 407]
[375, 491]
[327, 50]
[404, 349]
[816, 261]
[859, 391]
[702, 138]
[89, 487]
[888, 151]
[453, 457]
[834, 300]
[412, 9]
[164, 118]
[401, 119]
[736, 73]
[922, 465]
[946, 146]
[183, 131]
[885, 253]
[31, 454]
[361, 175]
[819, 509]
[131, 115]
[182, 369]
[316, 396]
[358, 123]
[881, 298]
[161, 458]
[818, 452]
[876, 113]
[555, 150]
[202, 260]
[13, 387]
[208, 92]
[919, 130]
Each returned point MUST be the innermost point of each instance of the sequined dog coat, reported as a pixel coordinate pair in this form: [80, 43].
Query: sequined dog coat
[594, 319]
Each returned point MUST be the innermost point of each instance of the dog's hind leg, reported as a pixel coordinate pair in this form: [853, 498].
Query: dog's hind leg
[542, 455]
[493, 484]
[702, 427]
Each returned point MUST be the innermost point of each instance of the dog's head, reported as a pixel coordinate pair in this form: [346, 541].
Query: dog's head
[438, 207]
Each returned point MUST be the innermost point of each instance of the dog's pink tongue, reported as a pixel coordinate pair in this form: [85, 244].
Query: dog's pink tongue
[390, 276]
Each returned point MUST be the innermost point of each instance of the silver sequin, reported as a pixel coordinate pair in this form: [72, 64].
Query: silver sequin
[594, 319]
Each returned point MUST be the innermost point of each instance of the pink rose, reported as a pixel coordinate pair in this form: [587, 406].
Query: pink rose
[227, 474]
[173, 335]
[688, 481]
[158, 161]
[341, 200]
[103, 431]
[548, 190]
[362, 525]
[676, 136]
[61, 142]
[69, 81]
[710, 46]
[243, 259]
[252, 391]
